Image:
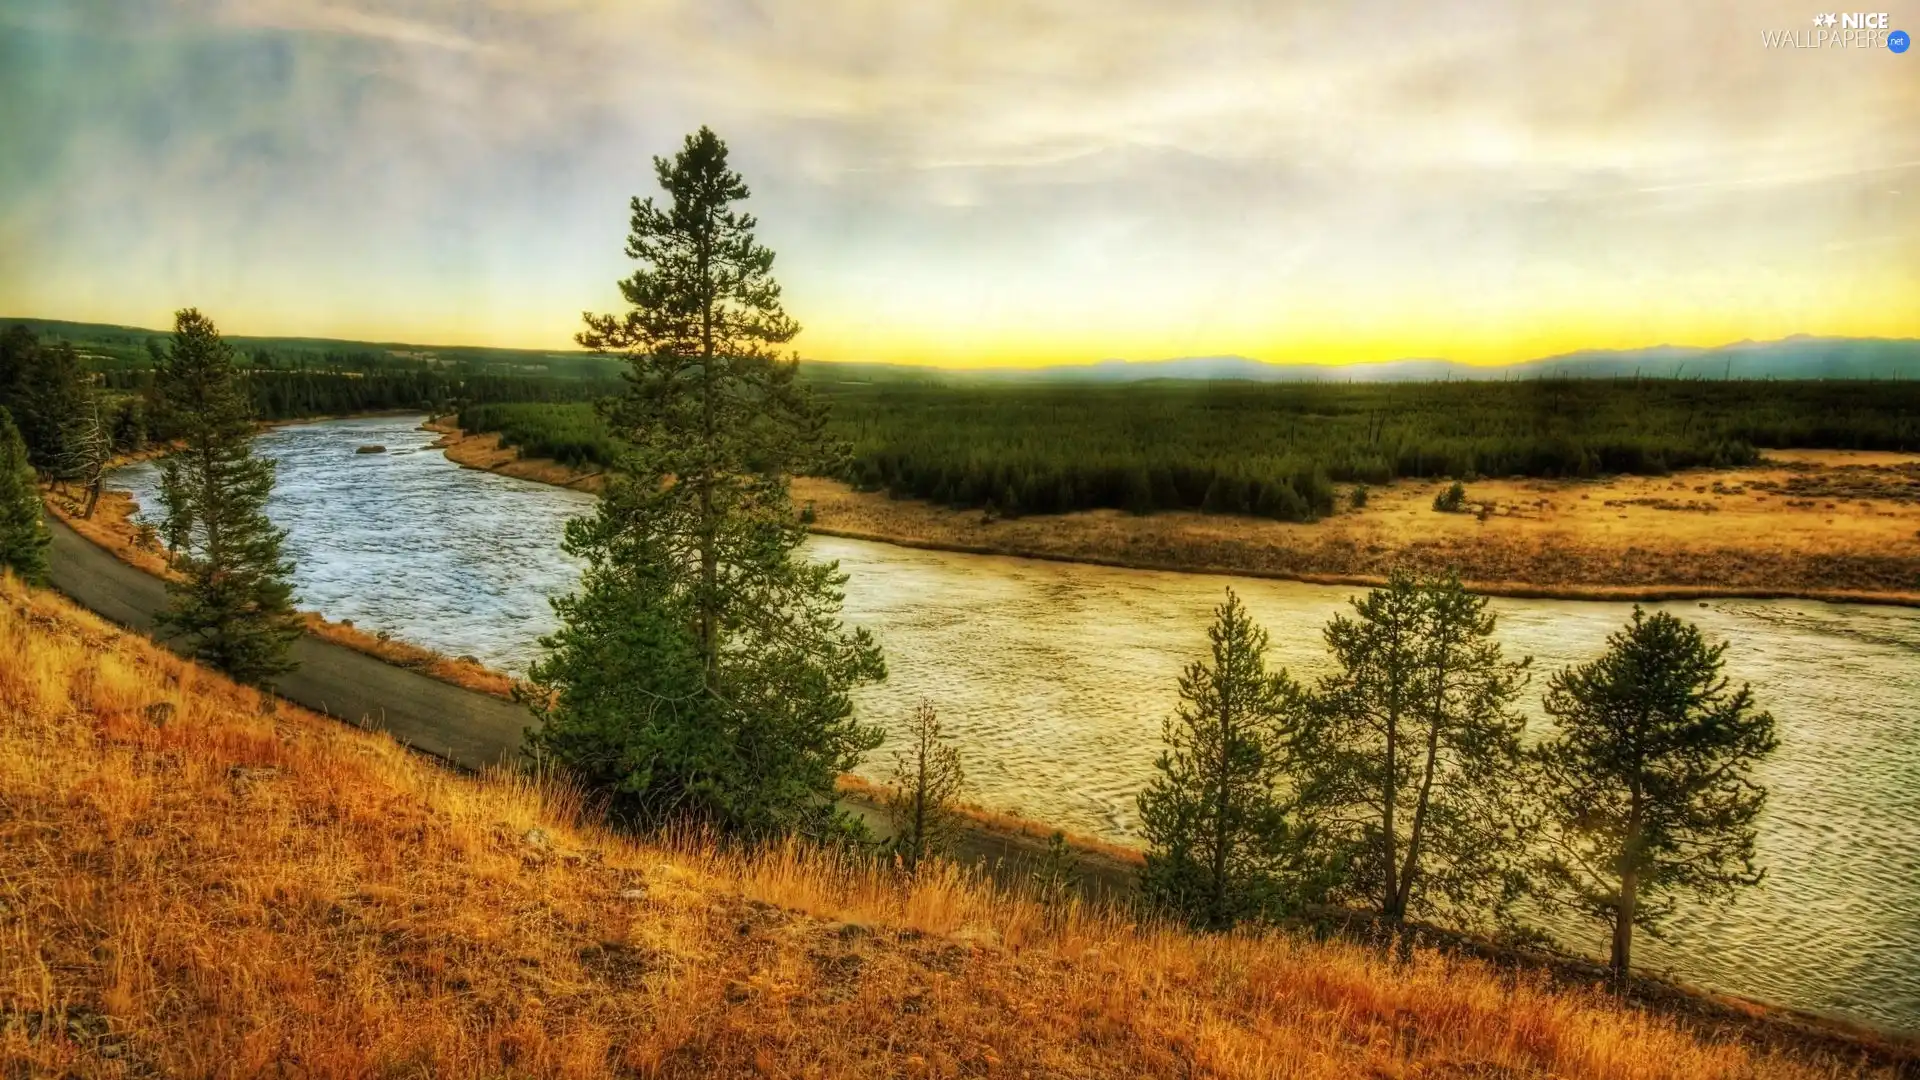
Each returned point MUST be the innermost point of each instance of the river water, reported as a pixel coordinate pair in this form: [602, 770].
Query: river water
[1054, 679]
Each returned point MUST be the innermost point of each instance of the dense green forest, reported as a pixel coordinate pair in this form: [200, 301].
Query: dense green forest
[282, 395]
[570, 433]
[1268, 449]
[1276, 450]
[66, 396]
[126, 348]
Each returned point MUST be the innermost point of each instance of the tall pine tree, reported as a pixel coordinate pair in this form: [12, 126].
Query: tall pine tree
[233, 603]
[1413, 750]
[1215, 817]
[1648, 781]
[23, 536]
[702, 671]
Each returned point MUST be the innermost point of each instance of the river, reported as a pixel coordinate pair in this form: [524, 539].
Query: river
[1054, 679]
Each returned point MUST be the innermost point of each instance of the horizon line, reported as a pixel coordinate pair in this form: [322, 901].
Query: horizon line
[1071, 364]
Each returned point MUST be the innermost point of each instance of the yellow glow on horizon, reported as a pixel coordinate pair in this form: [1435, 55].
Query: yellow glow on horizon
[1331, 336]
[960, 185]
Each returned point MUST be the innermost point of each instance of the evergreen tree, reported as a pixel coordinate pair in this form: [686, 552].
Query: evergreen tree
[927, 778]
[17, 348]
[702, 671]
[1413, 751]
[129, 426]
[1647, 783]
[1215, 817]
[48, 397]
[1056, 873]
[234, 603]
[23, 536]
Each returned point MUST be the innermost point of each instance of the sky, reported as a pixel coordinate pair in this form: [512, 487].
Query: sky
[976, 182]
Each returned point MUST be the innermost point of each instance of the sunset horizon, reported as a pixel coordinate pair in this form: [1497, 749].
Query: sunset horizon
[1007, 188]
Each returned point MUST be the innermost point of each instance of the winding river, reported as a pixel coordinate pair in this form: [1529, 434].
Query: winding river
[1054, 678]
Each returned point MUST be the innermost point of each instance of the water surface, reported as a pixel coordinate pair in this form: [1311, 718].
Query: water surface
[1054, 678]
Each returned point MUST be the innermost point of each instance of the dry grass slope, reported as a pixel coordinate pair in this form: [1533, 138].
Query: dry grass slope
[196, 883]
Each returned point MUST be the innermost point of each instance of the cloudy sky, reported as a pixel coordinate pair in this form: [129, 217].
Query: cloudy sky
[975, 181]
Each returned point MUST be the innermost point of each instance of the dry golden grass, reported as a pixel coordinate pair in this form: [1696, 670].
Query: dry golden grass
[193, 884]
[1699, 533]
[980, 818]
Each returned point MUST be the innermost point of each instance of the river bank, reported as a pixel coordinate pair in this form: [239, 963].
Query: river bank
[369, 876]
[1840, 526]
[1008, 845]
[1054, 678]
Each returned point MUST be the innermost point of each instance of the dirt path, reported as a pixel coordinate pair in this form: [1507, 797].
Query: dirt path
[469, 729]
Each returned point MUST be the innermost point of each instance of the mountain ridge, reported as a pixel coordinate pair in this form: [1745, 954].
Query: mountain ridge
[1800, 356]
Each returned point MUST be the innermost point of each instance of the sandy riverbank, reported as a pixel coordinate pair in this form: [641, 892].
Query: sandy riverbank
[483, 451]
[1824, 525]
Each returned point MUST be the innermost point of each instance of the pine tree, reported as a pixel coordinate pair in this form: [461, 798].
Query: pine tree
[927, 778]
[234, 603]
[1413, 751]
[1055, 875]
[18, 346]
[23, 536]
[1216, 817]
[702, 671]
[47, 397]
[1647, 783]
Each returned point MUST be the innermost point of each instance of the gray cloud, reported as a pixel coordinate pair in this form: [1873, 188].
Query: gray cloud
[465, 164]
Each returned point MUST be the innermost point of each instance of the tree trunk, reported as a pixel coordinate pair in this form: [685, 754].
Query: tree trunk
[1221, 838]
[919, 848]
[1622, 959]
[1390, 903]
[709, 533]
[1404, 898]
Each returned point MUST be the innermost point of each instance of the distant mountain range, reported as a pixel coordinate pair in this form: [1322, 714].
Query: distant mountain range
[1798, 357]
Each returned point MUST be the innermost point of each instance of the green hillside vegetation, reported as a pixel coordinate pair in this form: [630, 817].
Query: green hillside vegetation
[571, 433]
[1277, 450]
[116, 348]
[59, 375]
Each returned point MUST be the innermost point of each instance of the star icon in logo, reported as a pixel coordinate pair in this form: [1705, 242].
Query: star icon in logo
[1830, 19]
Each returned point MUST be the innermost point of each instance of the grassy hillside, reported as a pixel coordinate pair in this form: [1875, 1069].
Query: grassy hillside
[195, 883]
